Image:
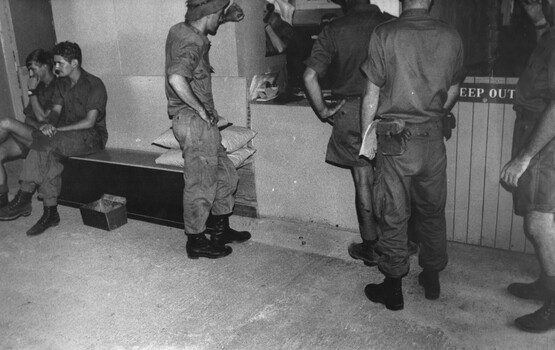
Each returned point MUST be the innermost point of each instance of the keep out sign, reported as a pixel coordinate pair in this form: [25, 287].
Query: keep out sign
[487, 93]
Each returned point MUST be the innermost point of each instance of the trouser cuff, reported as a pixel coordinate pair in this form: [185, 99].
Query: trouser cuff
[27, 186]
[50, 202]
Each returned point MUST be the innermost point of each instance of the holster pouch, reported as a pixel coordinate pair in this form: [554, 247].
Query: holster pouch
[448, 124]
[392, 136]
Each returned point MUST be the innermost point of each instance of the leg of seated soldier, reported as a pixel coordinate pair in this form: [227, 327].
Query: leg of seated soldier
[20, 131]
[9, 149]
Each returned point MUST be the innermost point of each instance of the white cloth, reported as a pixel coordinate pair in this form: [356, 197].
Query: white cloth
[284, 9]
[369, 142]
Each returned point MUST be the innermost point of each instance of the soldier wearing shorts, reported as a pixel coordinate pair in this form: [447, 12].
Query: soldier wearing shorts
[531, 172]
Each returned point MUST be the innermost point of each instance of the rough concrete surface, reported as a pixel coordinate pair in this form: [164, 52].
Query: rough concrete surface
[292, 286]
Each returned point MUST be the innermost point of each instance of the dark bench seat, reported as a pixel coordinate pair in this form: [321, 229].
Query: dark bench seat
[153, 192]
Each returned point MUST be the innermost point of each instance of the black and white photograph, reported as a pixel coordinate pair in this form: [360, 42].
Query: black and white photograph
[277, 174]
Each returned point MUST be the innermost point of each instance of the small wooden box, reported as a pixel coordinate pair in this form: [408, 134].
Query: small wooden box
[107, 213]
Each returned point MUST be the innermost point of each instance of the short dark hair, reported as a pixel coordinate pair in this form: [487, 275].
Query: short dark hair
[40, 56]
[69, 51]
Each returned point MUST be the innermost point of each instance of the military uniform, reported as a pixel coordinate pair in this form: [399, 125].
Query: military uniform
[209, 175]
[414, 60]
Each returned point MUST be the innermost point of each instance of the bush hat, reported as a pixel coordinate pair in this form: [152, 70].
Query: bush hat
[196, 9]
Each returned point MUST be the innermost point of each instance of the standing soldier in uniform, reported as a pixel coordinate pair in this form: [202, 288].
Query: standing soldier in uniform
[341, 48]
[210, 177]
[413, 68]
[531, 172]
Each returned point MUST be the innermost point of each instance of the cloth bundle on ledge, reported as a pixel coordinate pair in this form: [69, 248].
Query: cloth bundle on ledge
[235, 140]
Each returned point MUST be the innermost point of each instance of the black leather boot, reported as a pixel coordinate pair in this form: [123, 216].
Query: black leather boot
[429, 279]
[364, 251]
[218, 228]
[3, 199]
[389, 293]
[49, 218]
[534, 290]
[198, 246]
[20, 205]
[540, 321]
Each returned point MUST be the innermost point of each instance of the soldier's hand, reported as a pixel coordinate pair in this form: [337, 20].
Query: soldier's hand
[32, 82]
[326, 115]
[234, 13]
[207, 117]
[513, 170]
[534, 10]
[48, 130]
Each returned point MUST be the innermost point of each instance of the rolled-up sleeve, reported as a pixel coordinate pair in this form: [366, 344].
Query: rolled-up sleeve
[322, 53]
[374, 67]
[184, 59]
[460, 73]
[97, 98]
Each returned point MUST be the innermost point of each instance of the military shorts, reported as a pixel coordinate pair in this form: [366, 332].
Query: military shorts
[345, 140]
[536, 186]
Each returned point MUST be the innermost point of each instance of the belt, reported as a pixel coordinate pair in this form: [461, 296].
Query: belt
[431, 128]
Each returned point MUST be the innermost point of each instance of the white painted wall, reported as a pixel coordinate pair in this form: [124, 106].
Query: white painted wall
[123, 43]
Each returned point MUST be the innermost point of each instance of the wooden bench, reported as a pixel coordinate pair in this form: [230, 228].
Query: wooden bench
[153, 192]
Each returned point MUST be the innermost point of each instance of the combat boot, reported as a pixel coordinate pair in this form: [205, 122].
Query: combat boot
[429, 279]
[218, 228]
[198, 246]
[364, 251]
[389, 293]
[534, 290]
[20, 205]
[540, 321]
[49, 218]
[3, 199]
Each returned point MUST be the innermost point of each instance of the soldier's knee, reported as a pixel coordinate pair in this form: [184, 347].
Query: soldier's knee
[5, 123]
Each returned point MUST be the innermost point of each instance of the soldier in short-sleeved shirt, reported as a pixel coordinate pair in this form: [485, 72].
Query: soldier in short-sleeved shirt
[210, 178]
[187, 55]
[530, 174]
[414, 85]
[79, 112]
[339, 50]
[88, 94]
[413, 69]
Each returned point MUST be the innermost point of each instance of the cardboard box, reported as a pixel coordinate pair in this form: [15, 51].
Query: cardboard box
[107, 213]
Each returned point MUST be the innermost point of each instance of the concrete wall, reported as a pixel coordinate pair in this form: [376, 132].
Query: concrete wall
[292, 179]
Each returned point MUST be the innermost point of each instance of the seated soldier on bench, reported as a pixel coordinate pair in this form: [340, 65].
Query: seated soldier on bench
[81, 130]
[16, 136]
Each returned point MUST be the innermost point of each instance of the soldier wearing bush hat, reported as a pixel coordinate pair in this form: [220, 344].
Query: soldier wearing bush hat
[210, 178]
[196, 9]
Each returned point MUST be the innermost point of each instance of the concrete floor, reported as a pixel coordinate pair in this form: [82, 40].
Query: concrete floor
[293, 286]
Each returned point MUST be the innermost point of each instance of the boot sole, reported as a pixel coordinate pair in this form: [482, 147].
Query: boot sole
[27, 213]
[195, 256]
[531, 330]
[395, 307]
